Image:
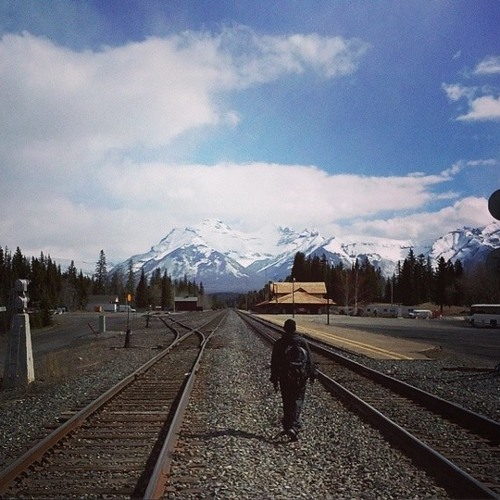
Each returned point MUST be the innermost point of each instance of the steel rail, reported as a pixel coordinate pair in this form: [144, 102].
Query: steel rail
[476, 422]
[160, 475]
[462, 484]
[459, 482]
[170, 327]
[34, 454]
[480, 424]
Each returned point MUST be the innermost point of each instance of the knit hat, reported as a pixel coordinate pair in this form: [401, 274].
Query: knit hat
[289, 326]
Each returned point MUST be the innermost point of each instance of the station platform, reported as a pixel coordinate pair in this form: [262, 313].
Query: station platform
[358, 341]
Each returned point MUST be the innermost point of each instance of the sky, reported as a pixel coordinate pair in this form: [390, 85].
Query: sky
[121, 120]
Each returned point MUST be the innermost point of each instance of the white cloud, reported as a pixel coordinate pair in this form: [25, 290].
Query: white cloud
[425, 227]
[256, 190]
[124, 209]
[457, 167]
[453, 170]
[260, 59]
[455, 91]
[483, 108]
[483, 103]
[489, 66]
[144, 93]
[66, 116]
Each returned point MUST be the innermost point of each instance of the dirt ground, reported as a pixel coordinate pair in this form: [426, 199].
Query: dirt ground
[85, 354]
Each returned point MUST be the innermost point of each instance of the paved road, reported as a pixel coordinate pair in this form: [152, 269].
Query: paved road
[451, 334]
[69, 328]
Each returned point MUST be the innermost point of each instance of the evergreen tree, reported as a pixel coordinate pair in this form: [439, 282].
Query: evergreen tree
[441, 284]
[116, 284]
[83, 287]
[389, 289]
[155, 288]
[4, 279]
[407, 282]
[316, 270]
[141, 294]
[69, 294]
[20, 265]
[458, 293]
[101, 275]
[166, 292]
[130, 285]
[299, 268]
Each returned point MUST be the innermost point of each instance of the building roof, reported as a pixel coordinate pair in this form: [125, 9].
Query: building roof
[300, 298]
[311, 287]
[186, 299]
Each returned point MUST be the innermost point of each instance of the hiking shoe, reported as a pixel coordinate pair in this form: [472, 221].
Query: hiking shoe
[292, 433]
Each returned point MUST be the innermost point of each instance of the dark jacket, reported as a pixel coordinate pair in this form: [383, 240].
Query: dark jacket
[278, 356]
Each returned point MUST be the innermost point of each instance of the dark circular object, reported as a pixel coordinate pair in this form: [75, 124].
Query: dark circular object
[494, 204]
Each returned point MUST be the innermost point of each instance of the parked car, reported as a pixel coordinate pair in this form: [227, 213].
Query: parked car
[420, 314]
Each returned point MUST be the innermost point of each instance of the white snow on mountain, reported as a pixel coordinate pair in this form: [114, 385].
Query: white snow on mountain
[468, 245]
[211, 233]
[226, 260]
[383, 253]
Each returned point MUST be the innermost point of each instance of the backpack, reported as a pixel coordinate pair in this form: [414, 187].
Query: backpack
[295, 366]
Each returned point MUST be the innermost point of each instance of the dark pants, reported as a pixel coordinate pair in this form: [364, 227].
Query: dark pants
[293, 400]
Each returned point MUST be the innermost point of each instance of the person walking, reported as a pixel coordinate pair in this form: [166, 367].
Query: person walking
[291, 366]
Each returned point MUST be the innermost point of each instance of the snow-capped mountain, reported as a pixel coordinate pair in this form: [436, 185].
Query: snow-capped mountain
[210, 253]
[468, 245]
[225, 260]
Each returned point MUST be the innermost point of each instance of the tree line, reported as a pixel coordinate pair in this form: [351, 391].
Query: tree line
[415, 281]
[50, 287]
[158, 291]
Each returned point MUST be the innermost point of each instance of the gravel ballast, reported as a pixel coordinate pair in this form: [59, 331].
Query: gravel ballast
[226, 447]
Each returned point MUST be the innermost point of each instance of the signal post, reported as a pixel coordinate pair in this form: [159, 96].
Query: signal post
[19, 370]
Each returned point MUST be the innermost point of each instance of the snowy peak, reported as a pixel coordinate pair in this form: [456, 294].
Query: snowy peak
[289, 239]
[467, 245]
[226, 260]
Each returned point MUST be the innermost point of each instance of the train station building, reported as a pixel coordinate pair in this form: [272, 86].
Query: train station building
[295, 297]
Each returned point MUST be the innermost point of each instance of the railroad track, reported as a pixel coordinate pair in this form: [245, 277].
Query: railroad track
[459, 447]
[119, 445]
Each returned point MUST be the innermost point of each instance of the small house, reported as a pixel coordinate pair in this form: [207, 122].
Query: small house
[296, 297]
[187, 304]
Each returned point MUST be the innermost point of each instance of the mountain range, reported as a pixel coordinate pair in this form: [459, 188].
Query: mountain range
[225, 260]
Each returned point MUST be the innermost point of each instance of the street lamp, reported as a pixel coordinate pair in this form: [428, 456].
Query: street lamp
[327, 310]
[128, 299]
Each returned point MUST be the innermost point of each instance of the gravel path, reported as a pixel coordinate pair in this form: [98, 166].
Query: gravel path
[227, 448]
